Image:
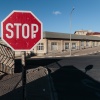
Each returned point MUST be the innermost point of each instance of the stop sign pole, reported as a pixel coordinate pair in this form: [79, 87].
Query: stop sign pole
[21, 31]
[23, 60]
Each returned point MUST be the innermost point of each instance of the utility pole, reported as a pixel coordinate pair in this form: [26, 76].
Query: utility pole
[71, 29]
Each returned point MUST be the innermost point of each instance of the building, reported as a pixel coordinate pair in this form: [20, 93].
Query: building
[81, 32]
[60, 42]
[93, 34]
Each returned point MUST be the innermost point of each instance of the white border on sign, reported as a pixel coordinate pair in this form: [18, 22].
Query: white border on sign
[22, 12]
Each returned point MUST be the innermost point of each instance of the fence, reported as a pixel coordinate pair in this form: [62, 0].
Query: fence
[7, 57]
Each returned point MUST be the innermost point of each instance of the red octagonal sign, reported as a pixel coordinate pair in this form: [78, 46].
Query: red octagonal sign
[21, 30]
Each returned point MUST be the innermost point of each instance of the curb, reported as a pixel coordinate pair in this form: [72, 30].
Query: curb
[53, 92]
[61, 56]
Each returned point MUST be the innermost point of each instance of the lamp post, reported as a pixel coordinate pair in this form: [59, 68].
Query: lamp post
[71, 29]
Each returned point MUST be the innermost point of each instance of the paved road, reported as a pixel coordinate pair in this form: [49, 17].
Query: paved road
[74, 78]
[77, 78]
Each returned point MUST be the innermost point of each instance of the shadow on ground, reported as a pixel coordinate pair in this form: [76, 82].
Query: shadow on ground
[34, 63]
[72, 84]
[35, 90]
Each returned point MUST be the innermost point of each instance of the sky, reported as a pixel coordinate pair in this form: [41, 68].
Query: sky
[56, 15]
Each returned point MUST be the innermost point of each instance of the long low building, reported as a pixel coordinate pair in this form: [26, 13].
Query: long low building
[60, 42]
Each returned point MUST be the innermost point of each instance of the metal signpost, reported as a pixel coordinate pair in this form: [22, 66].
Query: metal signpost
[21, 31]
[23, 74]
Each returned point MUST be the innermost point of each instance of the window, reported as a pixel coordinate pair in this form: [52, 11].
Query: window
[97, 44]
[73, 45]
[87, 43]
[66, 46]
[40, 46]
[82, 43]
[93, 43]
[53, 45]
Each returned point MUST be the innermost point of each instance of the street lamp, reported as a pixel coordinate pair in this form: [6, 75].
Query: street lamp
[71, 28]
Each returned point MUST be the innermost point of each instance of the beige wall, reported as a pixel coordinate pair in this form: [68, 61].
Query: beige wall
[60, 47]
[44, 41]
[47, 48]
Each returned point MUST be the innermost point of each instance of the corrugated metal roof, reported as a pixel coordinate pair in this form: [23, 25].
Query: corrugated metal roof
[57, 35]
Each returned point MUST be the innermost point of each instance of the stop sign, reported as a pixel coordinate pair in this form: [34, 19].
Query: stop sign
[21, 30]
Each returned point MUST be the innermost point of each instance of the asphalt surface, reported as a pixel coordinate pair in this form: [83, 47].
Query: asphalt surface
[74, 78]
[77, 78]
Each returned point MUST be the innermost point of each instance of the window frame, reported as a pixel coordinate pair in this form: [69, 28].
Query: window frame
[74, 46]
[40, 46]
[54, 44]
[67, 46]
